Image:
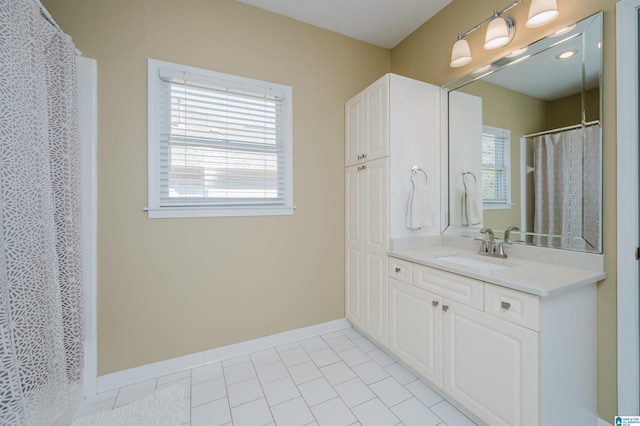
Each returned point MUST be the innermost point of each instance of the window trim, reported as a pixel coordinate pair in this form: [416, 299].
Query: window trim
[155, 210]
[506, 134]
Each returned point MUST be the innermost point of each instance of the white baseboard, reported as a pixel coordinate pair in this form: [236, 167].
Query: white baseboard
[603, 423]
[174, 365]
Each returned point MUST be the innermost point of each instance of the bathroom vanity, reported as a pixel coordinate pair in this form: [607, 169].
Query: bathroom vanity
[509, 341]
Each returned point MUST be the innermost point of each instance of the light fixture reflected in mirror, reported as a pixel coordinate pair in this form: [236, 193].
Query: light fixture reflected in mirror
[541, 12]
[501, 29]
[481, 70]
[563, 30]
[517, 52]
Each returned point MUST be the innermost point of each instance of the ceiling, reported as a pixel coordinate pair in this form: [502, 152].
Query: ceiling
[383, 23]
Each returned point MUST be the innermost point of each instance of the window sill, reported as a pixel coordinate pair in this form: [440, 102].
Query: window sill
[496, 206]
[195, 212]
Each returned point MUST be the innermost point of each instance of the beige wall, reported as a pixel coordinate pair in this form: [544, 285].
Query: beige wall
[177, 286]
[566, 111]
[425, 55]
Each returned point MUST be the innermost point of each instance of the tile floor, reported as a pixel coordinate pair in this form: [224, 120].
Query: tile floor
[335, 379]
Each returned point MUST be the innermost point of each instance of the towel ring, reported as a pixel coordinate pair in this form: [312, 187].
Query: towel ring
[414, 171]
[464, 174]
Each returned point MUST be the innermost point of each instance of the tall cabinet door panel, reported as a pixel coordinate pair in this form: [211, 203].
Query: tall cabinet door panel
[415, 334]
[491, 366]
[376, 210]
[354, 131]
[376, 236]
[354, 250]
[376, 122]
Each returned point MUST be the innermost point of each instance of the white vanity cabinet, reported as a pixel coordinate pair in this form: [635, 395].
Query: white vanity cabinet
[490, 366]
[415, 322]
[506, 356]
[389, 127]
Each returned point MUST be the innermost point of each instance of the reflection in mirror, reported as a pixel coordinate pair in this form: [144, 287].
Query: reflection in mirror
[525, 147]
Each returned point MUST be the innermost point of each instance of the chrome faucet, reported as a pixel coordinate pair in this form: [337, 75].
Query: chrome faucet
[487, 245]
[507, 233]
[491, 246]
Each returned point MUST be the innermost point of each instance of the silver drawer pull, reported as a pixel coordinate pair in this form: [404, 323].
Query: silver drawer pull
[506, 305]
[445, 308]
[435, 303]
[398, 269]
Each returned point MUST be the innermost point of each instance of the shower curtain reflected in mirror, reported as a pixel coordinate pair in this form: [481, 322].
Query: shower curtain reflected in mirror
[567, 188]
[41, 299]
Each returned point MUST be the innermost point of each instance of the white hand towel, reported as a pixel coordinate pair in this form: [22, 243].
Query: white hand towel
[471, 206]
[419, 212]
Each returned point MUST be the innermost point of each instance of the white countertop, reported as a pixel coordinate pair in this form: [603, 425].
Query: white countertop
[542, 279]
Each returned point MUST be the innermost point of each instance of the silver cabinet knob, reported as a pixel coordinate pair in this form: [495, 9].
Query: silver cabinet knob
[506, 305]
[435, 303]
[398, 269]
[445, 308]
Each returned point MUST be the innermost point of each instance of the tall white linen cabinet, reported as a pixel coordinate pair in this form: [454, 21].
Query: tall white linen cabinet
[391, 126]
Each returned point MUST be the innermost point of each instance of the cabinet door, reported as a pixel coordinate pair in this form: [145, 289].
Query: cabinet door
[354, 131]
[354, 249]
[376, 119]
[415, 329]
[376, 243]
[491, 366]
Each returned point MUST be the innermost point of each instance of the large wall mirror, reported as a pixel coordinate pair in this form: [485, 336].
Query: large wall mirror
[525, 143]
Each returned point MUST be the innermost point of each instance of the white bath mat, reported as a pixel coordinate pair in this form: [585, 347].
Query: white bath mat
[161, 408]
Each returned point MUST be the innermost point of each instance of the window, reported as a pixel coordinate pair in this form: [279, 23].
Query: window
[496, 177]
[219, 145]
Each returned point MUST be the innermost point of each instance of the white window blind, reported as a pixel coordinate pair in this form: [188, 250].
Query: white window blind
[496, 180]
[223, 143]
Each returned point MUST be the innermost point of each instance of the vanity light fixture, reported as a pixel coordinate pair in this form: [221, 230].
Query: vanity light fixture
[501, 29]
[461, 53]
[541, 12]
[499, 32]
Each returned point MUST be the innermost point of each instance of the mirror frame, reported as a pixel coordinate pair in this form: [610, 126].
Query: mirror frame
[536, 47]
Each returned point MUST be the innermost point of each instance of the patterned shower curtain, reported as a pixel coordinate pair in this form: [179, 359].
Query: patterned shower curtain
[41, 318]
[567, 188]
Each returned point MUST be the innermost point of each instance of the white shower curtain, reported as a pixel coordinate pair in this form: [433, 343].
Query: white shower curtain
[41, 319]
[567, 191]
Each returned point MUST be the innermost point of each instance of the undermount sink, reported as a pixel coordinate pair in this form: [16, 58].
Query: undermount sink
[473, 262]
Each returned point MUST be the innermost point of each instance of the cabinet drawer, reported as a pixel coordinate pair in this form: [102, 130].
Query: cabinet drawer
[451, 286]
[401, 270]
[513, 306]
